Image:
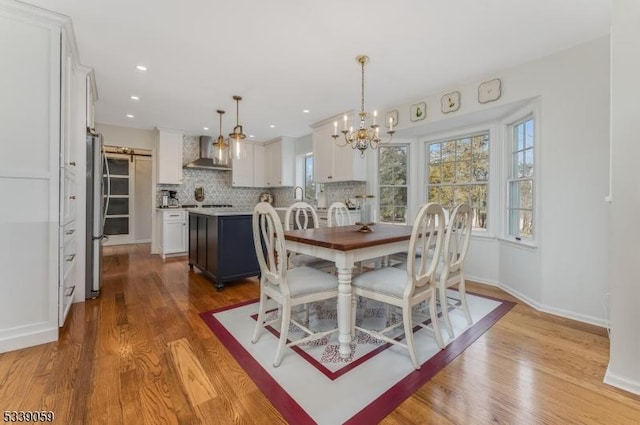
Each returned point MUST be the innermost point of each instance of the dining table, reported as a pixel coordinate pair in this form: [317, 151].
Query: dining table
[346, 245]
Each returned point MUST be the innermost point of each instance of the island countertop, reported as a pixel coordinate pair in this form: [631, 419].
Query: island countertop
[220, 212]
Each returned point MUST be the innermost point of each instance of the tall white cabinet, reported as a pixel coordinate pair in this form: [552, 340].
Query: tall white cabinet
[38, 176]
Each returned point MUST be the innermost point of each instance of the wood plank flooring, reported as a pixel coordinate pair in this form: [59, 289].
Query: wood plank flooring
[140, 354]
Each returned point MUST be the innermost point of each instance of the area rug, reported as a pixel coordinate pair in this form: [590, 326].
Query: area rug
[314, 385]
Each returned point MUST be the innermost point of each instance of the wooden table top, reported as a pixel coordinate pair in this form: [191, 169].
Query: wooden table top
[346, 238]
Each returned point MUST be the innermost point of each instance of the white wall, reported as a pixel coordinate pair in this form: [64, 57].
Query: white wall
[566, 273]
[624, 364]
[127, 137]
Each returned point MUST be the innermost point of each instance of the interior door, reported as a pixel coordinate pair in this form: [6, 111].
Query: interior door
[118, 225]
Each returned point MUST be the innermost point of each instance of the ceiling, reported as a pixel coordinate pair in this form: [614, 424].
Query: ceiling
[285, 56]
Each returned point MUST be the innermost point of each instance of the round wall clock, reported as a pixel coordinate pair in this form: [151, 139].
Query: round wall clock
[489, 91]
[450, 102]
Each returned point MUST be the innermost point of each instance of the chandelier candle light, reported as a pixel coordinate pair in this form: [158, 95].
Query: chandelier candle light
[363, 137]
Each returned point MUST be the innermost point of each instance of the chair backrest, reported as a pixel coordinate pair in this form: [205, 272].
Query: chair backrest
[301, 215]
[456, 241]
[338, 215]
[268, 238]
[426, 237]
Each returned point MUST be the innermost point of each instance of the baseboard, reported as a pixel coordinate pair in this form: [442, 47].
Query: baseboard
[621, 382]
[27, 337]
[542, 307]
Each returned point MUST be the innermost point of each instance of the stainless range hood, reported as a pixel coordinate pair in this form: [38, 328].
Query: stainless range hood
[206, 160]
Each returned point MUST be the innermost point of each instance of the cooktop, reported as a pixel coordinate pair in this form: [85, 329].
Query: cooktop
[207, 206]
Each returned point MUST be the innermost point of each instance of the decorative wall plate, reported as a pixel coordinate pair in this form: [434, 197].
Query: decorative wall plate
[418, 111]
[489, 91]
[450, 102]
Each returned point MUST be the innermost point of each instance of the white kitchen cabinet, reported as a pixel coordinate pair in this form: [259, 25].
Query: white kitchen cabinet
[249, 171]
[169, 157]
[332, 163]
[259, 179]
[173, 232]
[37, 173]
[324, 221]
[279, 162]
[68, 275]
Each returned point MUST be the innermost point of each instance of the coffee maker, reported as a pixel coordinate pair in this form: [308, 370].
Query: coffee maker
[165, 199]
[173, 199]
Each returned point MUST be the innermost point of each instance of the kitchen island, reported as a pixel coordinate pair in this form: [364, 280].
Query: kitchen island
[221, 244]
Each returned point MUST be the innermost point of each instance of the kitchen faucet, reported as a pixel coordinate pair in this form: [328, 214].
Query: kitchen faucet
[295, 191]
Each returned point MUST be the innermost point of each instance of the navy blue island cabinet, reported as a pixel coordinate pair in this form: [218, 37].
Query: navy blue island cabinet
[221, 246]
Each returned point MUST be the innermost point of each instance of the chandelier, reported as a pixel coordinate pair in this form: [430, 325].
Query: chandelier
[236, 138]
[363, 137]
[220, 146]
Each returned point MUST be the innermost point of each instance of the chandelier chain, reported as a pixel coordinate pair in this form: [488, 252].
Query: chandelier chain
[362, 88]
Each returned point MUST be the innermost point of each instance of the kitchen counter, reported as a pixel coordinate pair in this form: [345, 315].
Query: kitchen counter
[220, 212]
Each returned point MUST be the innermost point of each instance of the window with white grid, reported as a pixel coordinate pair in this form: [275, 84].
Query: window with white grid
[458, 171]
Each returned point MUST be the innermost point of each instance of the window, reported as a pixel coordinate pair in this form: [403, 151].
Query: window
[458, 171]
[309, 185]
[520, 181]
[392, 183]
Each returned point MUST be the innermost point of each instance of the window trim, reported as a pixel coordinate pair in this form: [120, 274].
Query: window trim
[531, 110]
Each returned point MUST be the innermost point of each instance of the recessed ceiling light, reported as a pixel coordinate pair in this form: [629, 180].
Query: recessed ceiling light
[306, 111]
[272, 126]
[134, 98]
[205, 128]
[141, 68]
[129, 116]
[251, 136]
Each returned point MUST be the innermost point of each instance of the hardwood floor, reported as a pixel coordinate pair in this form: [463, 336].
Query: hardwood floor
[140, 354]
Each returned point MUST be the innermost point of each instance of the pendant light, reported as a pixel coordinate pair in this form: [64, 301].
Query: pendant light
[236, 138]
[220, 146]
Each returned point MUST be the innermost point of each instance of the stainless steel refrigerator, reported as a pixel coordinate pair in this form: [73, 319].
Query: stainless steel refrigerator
[97, 204]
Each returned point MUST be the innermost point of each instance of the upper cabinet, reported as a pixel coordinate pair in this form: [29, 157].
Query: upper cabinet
[169, 157]
[249, 170]
[279, 162]
[332, 163]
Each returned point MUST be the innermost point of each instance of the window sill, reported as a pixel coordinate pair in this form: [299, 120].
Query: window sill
[526, 245]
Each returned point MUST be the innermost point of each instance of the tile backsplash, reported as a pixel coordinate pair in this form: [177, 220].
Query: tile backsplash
[218, 189]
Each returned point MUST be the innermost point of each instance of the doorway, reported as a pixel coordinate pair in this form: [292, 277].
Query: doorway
[128, 204]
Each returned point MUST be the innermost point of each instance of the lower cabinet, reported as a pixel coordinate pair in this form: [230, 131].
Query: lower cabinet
[173, 232]
[221, 246]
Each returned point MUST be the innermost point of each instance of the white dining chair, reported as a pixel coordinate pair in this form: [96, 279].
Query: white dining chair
[302, 215]
[407, 288]
[451, 269]
[287, 287]
[338, 215]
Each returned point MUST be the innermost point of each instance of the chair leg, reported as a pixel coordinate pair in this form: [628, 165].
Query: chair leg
[284, 334]
[260, 322]
[435, 324]
[463, 297]
[444, 305]
[408, 335]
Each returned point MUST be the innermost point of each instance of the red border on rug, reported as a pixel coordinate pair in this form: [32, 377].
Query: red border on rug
[378, 408]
